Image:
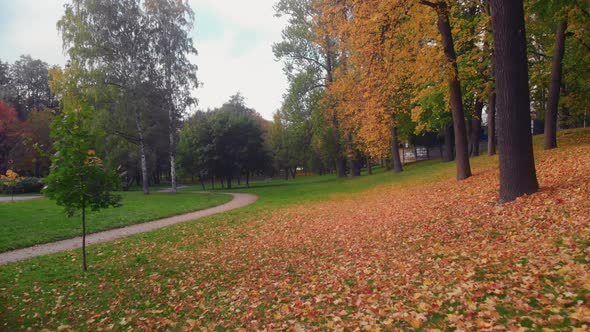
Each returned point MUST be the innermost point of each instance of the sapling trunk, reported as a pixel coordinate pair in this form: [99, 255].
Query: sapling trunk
[85, 265]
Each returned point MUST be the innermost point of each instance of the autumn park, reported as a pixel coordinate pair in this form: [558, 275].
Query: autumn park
[347, 165]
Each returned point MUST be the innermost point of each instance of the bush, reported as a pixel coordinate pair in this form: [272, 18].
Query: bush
[21, 185]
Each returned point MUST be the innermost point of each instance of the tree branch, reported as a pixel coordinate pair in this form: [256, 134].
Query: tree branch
[429, 4]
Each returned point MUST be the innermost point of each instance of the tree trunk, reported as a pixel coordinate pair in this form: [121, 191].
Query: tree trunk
[172, 163]
[84, 262]
[469, 137]
[355, 167]
[444, 27]
[492, 124]
[369, 167]
[144, 170]
[517, 164]
[293, 173]
[476, 128]
[397, 162]
[555, 89]
[448, 151]
[340, 160]
[248, 179]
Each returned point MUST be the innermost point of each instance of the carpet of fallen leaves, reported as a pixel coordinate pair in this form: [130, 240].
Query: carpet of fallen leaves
[443, 255]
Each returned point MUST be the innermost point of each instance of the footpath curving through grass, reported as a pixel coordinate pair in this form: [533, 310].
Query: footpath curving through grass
[414, 251]
[28, 223]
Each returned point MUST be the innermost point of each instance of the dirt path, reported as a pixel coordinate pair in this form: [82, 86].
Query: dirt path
[239, 201]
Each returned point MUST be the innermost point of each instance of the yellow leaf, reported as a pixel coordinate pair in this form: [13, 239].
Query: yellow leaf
[415, 323]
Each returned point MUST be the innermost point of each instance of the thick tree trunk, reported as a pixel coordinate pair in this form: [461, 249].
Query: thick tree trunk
[476, 128]
[469, 137]
[84, 262]
[397, 161]
[369, 167]
[448, 148]
[229, 182]
[444, 26]
[144, 169]
[355, 167]
[517, 164]
[356, 161]
[555, 89]
[492, 124]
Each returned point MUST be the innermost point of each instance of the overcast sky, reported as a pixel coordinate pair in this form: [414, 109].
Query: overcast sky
[233, 37]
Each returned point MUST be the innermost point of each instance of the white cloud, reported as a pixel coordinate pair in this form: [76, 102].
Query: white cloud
[252, 14]
[30, 29]
[227, 64]
[253, 71]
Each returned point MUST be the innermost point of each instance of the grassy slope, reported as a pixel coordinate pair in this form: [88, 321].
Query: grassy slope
[38, 221]
[38, 292]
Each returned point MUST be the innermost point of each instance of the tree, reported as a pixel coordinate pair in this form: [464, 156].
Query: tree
[10, 130]
[307, 47]
[110, 42]
[78, 180]
[24, 84]
[224, 143]
[171, 23]
[555, 88]
[31, 153]
[456, 99]
[517, 165]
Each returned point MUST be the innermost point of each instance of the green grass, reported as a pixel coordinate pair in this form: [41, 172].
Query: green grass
[33, 292]
[38, 221]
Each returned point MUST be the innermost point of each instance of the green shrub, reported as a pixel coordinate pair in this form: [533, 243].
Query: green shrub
[21, 185]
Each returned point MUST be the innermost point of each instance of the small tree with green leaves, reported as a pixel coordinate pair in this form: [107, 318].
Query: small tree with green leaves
[79, 180]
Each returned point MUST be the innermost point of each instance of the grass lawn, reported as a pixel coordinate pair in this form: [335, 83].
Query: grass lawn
[27, 223]
[397, 251]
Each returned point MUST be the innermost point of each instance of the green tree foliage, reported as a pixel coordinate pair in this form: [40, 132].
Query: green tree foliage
[171, 22]
[225, 143]
[311, 57]
[299, 136]
[78, 180]
[136, 55]
[24, 84]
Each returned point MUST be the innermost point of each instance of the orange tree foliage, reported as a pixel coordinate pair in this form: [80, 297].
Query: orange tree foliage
[392, 64]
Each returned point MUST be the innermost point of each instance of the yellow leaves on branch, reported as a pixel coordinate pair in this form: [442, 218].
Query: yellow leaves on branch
[92, 159]
[10, 174]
